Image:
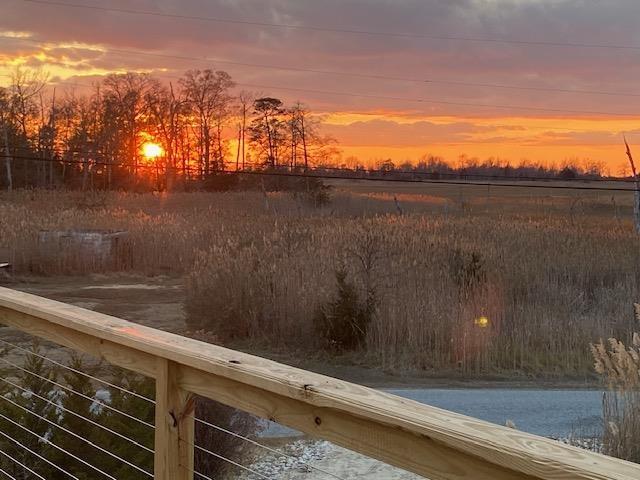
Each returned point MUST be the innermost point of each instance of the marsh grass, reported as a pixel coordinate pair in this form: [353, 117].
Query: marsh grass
[619, 365]
[258, 268]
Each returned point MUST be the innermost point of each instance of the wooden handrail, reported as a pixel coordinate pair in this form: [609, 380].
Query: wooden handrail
[432, 442]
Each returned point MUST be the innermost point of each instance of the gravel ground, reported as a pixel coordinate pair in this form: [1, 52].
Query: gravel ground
[320, 460]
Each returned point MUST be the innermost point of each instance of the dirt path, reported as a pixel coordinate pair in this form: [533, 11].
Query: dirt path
[156, 302]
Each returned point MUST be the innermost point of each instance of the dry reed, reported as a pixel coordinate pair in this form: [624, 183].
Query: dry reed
[258, 268]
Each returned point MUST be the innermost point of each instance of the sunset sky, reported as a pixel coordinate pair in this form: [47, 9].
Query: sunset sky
[592, 91]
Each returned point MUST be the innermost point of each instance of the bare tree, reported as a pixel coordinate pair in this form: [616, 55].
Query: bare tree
[209, 99]
[4, 121]
[25, 88]
[124, 98]
[166, 113]
[266, 129]
[636, 203]
[245, 100]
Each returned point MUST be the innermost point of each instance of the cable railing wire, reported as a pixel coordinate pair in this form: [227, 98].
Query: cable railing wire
[22, 465]
[57, 447]
[79, 437]
[224, 459]
[20, 445]
[264, 447]
[79, 372]
[71, 390]
[6, 474]
[77, 415]
[202, 475]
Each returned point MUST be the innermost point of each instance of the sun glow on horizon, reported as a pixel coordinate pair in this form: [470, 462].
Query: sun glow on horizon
[152, 150]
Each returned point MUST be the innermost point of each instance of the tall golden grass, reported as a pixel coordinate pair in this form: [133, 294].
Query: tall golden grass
[258, 268]
[619, 366]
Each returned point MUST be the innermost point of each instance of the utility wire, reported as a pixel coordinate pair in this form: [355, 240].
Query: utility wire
[440, 102]
[318, 173]
[92, 163]
[322, 175]
[422, 180]
[418, 100]
[366, 171]
[459, 175]
[427, 81]
[382, 97]
[290, 26]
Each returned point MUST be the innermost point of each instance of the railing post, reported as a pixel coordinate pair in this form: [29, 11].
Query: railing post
[174, 436]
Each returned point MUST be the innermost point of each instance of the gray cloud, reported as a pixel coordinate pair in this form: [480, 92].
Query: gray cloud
[577, 21]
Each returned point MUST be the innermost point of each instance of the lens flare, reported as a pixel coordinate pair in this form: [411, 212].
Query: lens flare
[482, 322]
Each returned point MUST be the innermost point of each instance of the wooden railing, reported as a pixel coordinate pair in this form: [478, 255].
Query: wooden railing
[431, 442]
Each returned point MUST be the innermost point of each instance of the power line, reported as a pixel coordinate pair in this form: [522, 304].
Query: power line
[422, 180]
[94, 163]
[61, 153]
[538, 43]
[425, 81]
[321, 175]
[360, 95]
[318, 172]
[460, 174]
[442, 102]
[414, 100]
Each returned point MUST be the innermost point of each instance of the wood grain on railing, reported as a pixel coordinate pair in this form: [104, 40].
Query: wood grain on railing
[429, 441]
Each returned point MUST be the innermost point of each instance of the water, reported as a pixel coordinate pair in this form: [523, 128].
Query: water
[549, 413]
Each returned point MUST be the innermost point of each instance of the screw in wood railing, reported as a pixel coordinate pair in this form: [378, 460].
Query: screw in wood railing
[174, 421]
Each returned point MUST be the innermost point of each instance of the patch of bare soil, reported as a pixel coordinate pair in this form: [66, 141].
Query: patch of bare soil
[156, 302]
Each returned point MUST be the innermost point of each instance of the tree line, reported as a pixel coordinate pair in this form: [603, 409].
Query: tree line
[96, 138]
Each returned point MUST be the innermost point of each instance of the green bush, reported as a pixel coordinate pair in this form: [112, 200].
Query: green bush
[343, 322]
[42, 398]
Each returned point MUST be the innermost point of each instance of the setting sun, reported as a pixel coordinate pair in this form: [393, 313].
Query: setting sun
[152, 150]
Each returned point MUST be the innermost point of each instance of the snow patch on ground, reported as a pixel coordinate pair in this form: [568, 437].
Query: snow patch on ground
[321, 460]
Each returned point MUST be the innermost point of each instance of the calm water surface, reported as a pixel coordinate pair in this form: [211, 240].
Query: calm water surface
[550, 413]
[543, 412]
